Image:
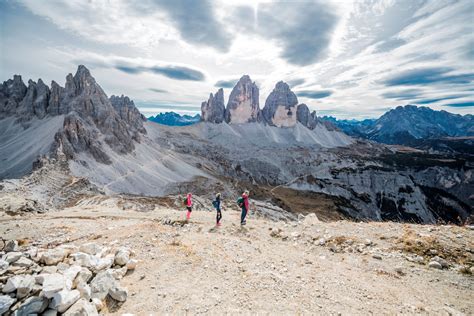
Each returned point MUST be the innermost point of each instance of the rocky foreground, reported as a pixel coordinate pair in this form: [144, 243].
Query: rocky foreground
[116, 255]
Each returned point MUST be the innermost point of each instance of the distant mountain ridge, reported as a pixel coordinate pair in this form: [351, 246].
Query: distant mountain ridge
[407, 124]
[175, 119]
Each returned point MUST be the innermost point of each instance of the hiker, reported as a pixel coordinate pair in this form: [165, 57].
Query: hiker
[244, 204]
[217, 205]
[189, 205]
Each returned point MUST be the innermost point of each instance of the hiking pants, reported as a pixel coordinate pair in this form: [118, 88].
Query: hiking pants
[219, 216]
[243, 215]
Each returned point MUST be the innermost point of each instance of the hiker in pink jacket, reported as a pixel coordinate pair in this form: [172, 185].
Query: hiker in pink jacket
[245, 207]
[189, 205]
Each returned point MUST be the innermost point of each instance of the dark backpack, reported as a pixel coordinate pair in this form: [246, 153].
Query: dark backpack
[214, 203]
[185, 202]
[240, 201]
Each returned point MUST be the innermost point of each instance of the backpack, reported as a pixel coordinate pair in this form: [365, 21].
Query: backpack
[185, 202]
[240, 201]
[214, 203]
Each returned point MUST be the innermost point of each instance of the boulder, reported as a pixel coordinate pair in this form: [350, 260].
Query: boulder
[49, 269]
[22, 284]
[71, 272]
[90, 248]
[85, 290]
[92, 262]
[99, 304]
[119, 273]
[435, 265]
[444, 264]
[83, 276]
[5, 302]
[118, 293]
[11, 245]
[82, 308]
[3, 265]
[101, 284]
[54, 256]
[33, 305]
[243, 105]
[280, 106]
[12, 257]
[50, 312]
[122, 256]
[132, 264]
[23, 263]
[63, 299]
[213, 110]
[53, 283]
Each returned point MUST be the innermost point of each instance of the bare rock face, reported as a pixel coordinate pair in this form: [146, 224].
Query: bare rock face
[213, 110]
[12, 93]
[305, 117]
[243, 105]
[130, 114]
[280, 106]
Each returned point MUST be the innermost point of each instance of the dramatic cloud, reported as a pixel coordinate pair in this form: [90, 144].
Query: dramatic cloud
[197, 22]
[314, 94]
[461, 104]
[296, 82]
[403, 94]
[303, 29]
[226, 83]
[429, 101]
[425, 76]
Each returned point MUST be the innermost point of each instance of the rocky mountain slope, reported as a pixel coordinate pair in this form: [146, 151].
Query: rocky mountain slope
[268, 267]
[175, 119]
[406, 125]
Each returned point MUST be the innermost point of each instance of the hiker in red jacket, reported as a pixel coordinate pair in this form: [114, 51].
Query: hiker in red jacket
[245, 207]
[189, 205]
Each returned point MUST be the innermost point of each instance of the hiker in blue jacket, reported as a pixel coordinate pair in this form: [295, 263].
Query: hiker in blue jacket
[217, 205]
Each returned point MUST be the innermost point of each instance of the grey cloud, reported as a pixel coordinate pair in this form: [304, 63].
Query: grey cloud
[171, 71]
[388, 45]
[423, 76]
[302, 29]
[196, 22]
[460, 104]
[314, 94]
[158, 90]
[226, 83]
[296, 82]
[408, 94]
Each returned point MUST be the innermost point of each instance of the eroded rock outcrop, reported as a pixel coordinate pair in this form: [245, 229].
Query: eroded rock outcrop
[243, 105]
[280, 106]
[304, 116]
[213, 110]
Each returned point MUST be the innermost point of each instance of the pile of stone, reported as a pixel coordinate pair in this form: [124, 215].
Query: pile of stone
[68, 279]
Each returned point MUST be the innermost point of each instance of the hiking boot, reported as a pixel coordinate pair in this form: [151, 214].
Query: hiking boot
[243, 223]
[218, 224]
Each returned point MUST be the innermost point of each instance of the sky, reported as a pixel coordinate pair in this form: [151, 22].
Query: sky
[349, 59]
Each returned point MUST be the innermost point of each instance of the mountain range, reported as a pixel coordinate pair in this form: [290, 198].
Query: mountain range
[283, 153]
[175, 119]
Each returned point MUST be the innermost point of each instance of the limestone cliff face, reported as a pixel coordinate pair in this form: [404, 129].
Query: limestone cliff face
[305, 117]
[280, 106]
[243, 105]
[213, 110]
[91, 119]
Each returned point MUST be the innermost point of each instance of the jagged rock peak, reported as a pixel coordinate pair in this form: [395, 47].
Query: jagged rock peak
[280, 106]
[213, 110]
[243, 105]
[304, 116]
[128, 111]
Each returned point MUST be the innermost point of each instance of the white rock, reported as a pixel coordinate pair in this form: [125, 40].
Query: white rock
[54, 256]
[82, 308]
[53, 283]
[23, 263]
[63, 299]
[103, 264]
[83, 276]
[118, 293]
[118, 273]
[49, 269]
[4, 265]
[132, 264]
[435, 265]
[32, 252]
[62, 267]
[99, 305]
[71, 272]
[444, 264]
[5, 302]
[83, 259]
[12, 257]
[122, 256]
[91, 248]
[85, 290]
[101, 284]
[22, 284]
[311, 219]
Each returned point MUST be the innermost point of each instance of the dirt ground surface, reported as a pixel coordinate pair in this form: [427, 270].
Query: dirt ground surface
[266, 267]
